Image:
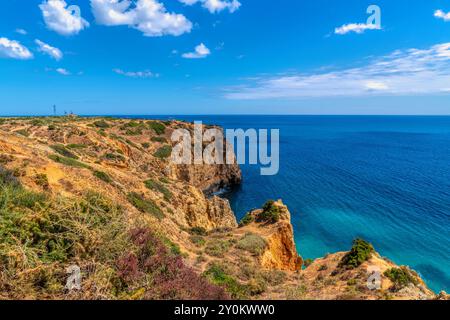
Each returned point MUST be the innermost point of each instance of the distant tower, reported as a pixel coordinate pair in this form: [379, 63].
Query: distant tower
[54, 110]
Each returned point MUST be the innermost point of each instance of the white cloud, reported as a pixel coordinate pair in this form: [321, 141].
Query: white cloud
[376, 85]
[201, 51]
[21, 31]
[14, 50]
[53, 52]
[442, 15]
[136, 74]
[63, 19]
[63, 72]
[215, 6]
[148, 16]
[403, 72]
[356, 27]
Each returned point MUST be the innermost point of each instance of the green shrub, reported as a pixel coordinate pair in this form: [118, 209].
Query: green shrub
[157, 127]
[159, 139]
[271, 213]
[133, 132]
[131, 124]
[68, 161]
[76, 146]
[352, 282]
[323, 267]
[307, 262]
[198, 231]
[400, 277]
[164, 180]
[103, 176]
[163, 152]
[2, 121]
[145, 145]
[249, 218]
[37, 122]
[252, 243]
[274, 277]
[156, 186]
[23, 132]
[114, 157]
[145, 205]
[217, 276]
[361, 251]
[199, 241]
[101, 124]
[41, 180]
[51, 127]
[217, 248]
[63, 151]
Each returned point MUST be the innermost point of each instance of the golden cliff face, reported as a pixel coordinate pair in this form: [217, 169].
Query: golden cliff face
[280, 253]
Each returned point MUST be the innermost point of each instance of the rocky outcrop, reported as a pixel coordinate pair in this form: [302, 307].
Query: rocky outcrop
[206, 213]
[281, 252]
[208, 178]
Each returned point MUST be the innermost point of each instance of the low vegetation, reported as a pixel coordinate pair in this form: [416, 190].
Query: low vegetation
[246, 220]
[41, 180]
[102, 176]
[401, 277]
[62, 150]
[23, 132]
[157, 127]
[198, 231]
[163, 152]
[114, 157]
[68, 161]
[361, 251]
[252, 243]
[76, 146]
[270, 213]
[217, 275]
[157, 186]
[159, 139]
[217, 248]
[145, 205]
[102, 124]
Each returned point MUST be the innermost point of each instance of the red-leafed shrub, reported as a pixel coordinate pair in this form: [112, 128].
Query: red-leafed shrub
[171, 278]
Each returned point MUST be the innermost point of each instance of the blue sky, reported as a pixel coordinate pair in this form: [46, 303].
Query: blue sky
[224, 57]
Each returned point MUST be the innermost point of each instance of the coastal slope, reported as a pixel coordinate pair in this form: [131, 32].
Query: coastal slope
[103, 195]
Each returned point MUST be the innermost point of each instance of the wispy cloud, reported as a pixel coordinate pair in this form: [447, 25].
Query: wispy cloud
[53, 52]
[215, 6]
[442, 15]
[201, 51]
[63, 71]
[148, 16]
[21, 31]
[63, 19]
[136, 74]
[356, 28]
[403, 72]
[14, 50]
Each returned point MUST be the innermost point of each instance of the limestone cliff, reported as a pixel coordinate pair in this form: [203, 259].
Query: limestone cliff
[280, 253]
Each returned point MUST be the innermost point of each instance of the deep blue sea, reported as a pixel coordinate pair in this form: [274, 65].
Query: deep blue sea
[385, 179]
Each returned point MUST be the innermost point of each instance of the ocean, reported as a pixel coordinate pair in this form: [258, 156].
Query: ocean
[384, 179]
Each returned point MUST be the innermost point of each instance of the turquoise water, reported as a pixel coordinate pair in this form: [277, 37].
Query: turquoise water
[385, 179]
